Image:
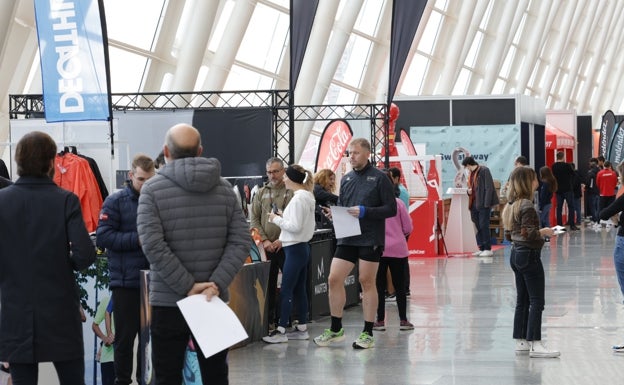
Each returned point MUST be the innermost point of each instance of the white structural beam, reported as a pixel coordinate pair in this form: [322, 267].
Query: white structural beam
[580, 42]
[157, 69]
[495, 54]
[19, 51]
[452, 59]
[376, 75]
[531, 46]
[556, 53]
[229, 45]
[611, 67]
[597, 53]
[194, 45]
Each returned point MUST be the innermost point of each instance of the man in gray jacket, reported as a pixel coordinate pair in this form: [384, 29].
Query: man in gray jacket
[196, 239]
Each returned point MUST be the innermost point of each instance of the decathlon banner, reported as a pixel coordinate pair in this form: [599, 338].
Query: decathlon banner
[73, 65]
[494, 146]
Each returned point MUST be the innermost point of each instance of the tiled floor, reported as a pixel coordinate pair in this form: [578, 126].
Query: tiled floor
[463, 311]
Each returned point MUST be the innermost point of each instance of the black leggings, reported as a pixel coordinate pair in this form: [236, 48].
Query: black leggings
[397, 272]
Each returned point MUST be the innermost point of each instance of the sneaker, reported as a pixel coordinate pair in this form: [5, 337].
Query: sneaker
[408, 293]
[406, 325]
[539, 350]
[522, 346]
[391, 297]
[328, 337]
[477, 253]
[486, 253]
[618, 347]
[276, 337]
[364, 341]
[297, 334]
[380, 326]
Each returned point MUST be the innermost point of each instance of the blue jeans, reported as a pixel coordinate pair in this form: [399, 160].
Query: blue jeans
[294, 282]
[529, 272]
[545, 216]
[618, 259]
[594, 204]
[568, 196]
[578, 218]
[481, 219]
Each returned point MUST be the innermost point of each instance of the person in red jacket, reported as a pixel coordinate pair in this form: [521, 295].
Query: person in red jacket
[607, 180]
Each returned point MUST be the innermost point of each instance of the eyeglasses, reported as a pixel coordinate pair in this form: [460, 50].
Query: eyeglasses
[271, 172]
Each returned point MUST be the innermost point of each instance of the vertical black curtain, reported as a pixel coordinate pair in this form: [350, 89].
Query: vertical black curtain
[406, 15]
[302, 14]
[301, 19]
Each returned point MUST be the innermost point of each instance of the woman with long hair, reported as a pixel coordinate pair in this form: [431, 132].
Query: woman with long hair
[297, 224]
[522, 228]
[324, 188]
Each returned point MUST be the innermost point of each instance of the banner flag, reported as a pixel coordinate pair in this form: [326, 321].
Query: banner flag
[73, 66]
[302, 14]
[606, 132]
[615, 154]
[333, 144]
[406, 15]
[409, 147]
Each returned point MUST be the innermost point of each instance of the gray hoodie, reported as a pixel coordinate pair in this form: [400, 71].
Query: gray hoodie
[191, 229]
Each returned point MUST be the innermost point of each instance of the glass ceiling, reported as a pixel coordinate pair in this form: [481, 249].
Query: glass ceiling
[566, 52]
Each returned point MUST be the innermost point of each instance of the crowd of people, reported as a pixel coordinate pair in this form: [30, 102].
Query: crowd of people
[181, 221]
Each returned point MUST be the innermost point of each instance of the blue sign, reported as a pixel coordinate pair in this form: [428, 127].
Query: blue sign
[73, 66]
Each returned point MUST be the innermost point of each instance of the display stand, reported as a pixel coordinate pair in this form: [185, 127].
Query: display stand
[460, 235]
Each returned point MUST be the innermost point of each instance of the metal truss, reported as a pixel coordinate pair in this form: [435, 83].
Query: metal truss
[31, 106]
[374, 113]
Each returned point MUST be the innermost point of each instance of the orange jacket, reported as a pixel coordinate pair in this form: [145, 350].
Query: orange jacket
[73, 173]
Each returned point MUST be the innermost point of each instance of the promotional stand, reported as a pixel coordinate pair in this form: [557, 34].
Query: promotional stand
[460, 235]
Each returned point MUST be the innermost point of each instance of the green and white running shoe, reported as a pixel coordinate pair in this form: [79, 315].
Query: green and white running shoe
[364, 341]
[328, 337]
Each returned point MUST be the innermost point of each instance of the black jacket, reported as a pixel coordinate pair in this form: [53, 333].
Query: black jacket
[372, 189]
[42, 242]
[614, 208]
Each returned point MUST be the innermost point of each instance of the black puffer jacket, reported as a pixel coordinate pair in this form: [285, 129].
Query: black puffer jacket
[117, 233]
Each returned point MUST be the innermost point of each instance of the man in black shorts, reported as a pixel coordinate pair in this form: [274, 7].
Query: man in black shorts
[369, 195]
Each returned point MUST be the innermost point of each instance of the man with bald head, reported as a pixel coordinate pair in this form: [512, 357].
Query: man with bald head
[196, 239]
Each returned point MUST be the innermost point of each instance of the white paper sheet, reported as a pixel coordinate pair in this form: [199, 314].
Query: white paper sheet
[345, 224]
[213, 323]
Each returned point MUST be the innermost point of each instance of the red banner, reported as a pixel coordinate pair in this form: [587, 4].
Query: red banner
[334, 142]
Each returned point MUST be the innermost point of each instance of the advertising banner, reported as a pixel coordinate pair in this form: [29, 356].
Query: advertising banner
[494, 146]
[615, 155]
[72, 55]
[606, 132]
[333, 144]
